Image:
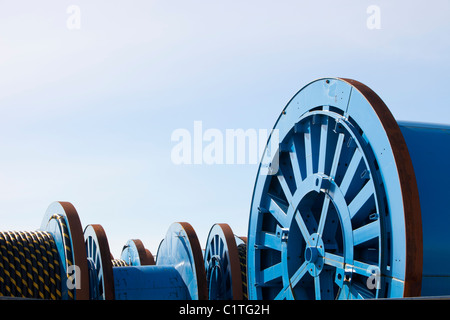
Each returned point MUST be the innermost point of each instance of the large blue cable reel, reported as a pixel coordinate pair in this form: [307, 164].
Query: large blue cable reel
[336, 212]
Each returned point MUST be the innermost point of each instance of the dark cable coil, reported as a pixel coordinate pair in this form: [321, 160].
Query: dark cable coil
[29, 265]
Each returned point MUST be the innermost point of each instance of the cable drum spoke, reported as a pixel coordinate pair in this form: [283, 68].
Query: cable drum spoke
[334, 260]
[323, 215]
[285, 187]
[270, 240]
[323, 144]
[351, 171]
[298, 275]
[276, 211]
[317, 288]
[337, 154]
[303, 228]
[296, 161]
[308, 151]
[366, 269]
[284, 294]
[361, 199]
[271, 273]
[366, 233]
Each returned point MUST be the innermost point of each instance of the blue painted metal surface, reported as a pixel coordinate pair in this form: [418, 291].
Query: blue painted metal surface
[334, 211]
[180, 248]
[179, 273]
[52, 226]
[429, 147]
[61, 220]
[217, 266]
[149, 283]
[130, 254]
[135, 254]
[99, 263]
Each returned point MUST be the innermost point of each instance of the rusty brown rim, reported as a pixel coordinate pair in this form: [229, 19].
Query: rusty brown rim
[198, 260]
[408, 185]
[150, 258]
[67, 210]
[145, 256]
[235, 264]
[243, 238]
[105, 254]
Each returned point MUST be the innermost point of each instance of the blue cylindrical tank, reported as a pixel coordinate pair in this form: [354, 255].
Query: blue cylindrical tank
[429, 149]
[149, 283]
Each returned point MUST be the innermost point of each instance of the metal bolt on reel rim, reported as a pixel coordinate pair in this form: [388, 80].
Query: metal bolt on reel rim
[321, 223]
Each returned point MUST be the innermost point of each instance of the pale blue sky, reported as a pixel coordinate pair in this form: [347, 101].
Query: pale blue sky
[86, 115]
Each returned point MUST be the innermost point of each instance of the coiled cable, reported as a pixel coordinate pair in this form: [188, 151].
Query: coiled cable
[29, 265]
[119, 263]
[242, 250]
